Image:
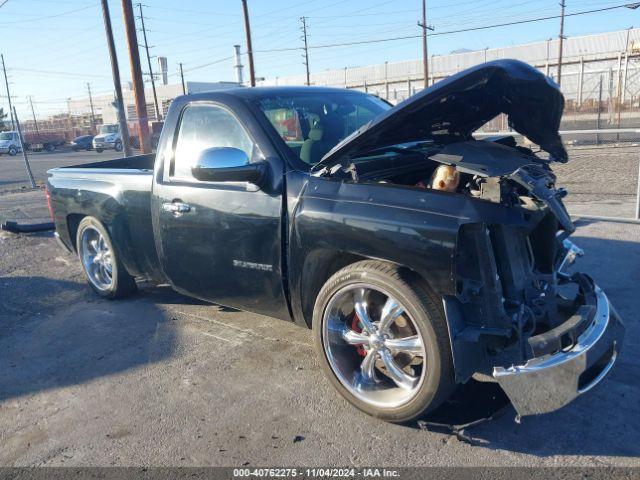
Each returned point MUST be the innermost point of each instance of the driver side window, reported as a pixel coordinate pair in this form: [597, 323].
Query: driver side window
[203, 127]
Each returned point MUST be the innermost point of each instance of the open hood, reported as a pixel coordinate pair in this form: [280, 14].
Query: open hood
[455, 107]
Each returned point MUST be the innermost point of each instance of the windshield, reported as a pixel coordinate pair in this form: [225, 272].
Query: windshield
[313, 123]
[6, 136]
[109, 129]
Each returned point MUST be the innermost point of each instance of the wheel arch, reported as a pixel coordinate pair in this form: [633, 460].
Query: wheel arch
[73, 222]
[321, 264]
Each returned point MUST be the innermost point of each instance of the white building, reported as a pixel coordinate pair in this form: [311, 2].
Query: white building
[613, 57]
[104, 103]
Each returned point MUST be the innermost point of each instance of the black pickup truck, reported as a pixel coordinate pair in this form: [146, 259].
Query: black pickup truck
[419, 255]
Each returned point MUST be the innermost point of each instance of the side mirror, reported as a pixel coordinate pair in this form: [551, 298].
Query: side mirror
[227, 164]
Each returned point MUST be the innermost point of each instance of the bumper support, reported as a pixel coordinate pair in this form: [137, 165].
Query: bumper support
[549, 382]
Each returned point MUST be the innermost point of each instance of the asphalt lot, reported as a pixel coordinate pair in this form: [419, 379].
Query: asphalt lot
[13, 174]
[161, 379]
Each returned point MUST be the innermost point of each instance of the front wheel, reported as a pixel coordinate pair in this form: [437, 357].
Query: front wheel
[102, 266]
[383, 341]
[99, 150]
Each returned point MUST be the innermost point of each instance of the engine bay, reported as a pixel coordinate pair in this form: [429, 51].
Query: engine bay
[510, 278]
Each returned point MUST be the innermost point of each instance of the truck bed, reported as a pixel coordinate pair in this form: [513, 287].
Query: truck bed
[117, 193]
[135, 162]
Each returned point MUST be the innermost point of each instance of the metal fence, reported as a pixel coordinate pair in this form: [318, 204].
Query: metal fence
[601, 121]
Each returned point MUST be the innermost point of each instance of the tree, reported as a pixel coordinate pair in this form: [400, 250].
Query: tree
[3, 116]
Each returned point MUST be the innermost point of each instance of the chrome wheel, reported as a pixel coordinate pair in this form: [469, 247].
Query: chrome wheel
[96, 258]
[373, 346]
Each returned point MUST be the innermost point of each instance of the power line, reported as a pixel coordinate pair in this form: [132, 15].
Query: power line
[50, 72]
[46, 17]
[220, 60]
[449, 32]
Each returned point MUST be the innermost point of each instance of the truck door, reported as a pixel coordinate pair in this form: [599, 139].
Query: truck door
[218, 241]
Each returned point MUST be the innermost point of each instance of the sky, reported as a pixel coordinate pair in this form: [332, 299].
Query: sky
[52, 48]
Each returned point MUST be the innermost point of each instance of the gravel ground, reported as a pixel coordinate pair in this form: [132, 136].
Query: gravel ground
[161, 379]
[601, 180]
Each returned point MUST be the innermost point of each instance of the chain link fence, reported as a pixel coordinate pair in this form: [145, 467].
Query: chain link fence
[600, 127]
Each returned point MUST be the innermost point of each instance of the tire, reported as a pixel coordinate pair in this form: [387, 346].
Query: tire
[118, 147]
[109, 278]
[76, 149]
[13, 151]
[421, 318]
[49, 147]
[99, 150]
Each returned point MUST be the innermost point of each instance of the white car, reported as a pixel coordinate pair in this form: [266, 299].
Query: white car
[10, 143]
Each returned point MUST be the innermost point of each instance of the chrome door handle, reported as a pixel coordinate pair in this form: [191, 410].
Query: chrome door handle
[176, 207]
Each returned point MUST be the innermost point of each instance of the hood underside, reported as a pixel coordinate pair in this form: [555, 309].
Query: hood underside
[452, 109]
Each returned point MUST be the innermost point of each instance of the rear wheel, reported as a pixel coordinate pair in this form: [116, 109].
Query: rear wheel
[383, 341]
[118, 147]
[13, 151]
[99, 150]
[104, 271]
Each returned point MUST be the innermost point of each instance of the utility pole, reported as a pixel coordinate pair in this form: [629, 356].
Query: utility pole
[115, 71]
[153, 81]
[6, 82]
[93, 115]
[184, 90]
[33, 113]
[24, 151]
[303, 20]
[561, 39]
[136, 75]
[425, 51]
[247, 27]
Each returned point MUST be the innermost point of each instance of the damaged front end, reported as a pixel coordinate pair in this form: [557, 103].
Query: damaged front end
[546, 336]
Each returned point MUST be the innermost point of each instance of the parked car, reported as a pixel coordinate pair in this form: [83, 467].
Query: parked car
[84, 142]
[108, 138]
[418, 255]
[10, 143]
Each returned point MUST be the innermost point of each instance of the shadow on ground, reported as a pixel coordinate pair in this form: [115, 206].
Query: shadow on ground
[605, 421]
[60, 336]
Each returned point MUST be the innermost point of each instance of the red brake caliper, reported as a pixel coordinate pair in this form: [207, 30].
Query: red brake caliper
[355, 326]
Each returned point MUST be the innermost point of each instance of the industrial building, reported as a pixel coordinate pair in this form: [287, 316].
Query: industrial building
[612, 56]
[600, 80]
[104, 107]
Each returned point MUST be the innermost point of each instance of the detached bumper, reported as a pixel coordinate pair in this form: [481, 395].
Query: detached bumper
[549, 382]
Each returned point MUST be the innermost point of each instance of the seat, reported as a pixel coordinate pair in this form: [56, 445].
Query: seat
[323, 136]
